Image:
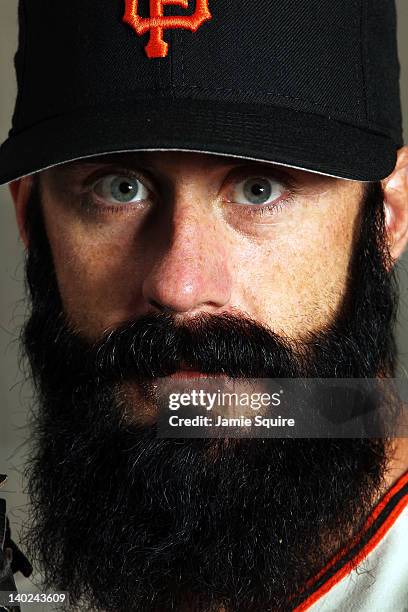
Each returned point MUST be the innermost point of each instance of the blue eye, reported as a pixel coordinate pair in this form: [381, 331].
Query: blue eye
[117, 189]
[258, 190]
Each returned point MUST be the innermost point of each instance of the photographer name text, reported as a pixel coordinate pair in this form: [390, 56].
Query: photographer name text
[220, 421]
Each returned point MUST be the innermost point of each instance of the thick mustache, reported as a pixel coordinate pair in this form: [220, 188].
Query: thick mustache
[156, 345]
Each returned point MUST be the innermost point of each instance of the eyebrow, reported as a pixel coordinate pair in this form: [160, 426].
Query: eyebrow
[106, 159]
[145, 162]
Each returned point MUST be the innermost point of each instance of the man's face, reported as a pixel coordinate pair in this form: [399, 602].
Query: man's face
[139, 265]
[192, 233]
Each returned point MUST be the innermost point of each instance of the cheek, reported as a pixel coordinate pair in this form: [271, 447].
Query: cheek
[295, 281]
[98, 274]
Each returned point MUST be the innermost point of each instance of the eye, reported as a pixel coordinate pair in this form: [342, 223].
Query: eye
[117, 189]
[257, 190]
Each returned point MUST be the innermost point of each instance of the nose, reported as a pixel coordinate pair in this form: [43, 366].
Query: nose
[189, 272]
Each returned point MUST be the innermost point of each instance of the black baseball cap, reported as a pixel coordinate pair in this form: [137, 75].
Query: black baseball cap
[312, 84]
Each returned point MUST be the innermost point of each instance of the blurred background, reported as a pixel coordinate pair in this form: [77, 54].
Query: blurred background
[15, 393]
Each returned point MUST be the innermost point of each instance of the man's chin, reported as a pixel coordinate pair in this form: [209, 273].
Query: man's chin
[142, 522]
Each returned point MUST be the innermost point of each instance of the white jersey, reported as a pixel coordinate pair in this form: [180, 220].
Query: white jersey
[371, 575]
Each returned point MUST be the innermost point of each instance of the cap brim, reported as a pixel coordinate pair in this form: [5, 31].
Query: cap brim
[279, 135]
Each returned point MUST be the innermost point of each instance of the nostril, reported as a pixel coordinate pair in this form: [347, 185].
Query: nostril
[160, 307]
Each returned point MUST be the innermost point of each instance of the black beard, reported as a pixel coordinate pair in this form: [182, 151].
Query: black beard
[126, 521]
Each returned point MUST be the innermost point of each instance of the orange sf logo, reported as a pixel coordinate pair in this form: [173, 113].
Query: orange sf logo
[157, 22]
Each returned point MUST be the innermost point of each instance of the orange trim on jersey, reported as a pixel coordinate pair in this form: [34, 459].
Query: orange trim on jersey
[364, 551]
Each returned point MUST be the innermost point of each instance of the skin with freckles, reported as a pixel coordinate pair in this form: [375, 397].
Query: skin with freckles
[189, 247]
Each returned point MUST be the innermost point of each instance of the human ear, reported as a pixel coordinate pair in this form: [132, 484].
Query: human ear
[20, 192]
[396, 205]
